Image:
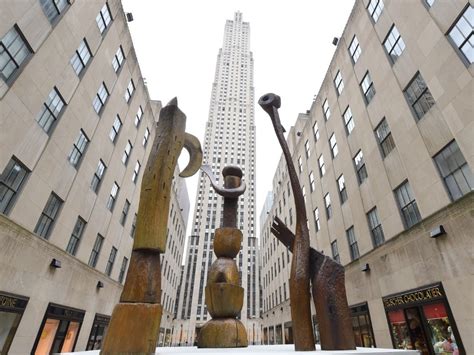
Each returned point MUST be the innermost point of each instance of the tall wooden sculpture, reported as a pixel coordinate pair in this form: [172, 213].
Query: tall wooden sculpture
[327, 276]
[224, 296]
[135, 323]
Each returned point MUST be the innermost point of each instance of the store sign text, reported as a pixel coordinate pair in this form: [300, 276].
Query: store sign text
[412, 297]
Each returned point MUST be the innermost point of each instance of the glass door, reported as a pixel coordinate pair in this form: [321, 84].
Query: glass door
[416, 331]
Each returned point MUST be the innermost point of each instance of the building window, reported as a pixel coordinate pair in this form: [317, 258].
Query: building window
[134, 226]
[316, 131]
[98, 175]
[129, 91]
[11, 181]
[145, 137]
[12, 308]
[52, 108]
[136, 171]
[115, 129]
[407, 203]
[98, 331]
[462, 34]
[327, 203]
[307, 149]
[53, 8]
[118, 59]
[48, 216]
[429, 3]
[351, 240]
[326, 110]
[300, 164]
[342, 189]
[113, 196]
[14, 51]
[360, 167]
[76, 236]
[78, 149]
[375, 228]
[454, 170]
[367, 87]
[333, 145]
[335, 251]
[339, 83]
[110, 262]
[138, 116]
[354, 49]
[82, 56]
[100, 98]
[419, 96]
[322, 167]
[384, 137]
[362, 326]
[123, 267]
[348, 120]
[59, 330]
[99, 240]
[316, 219]
[103, 18]
[123, 216]
[394, 44]
[375, 8]
[303, 191]
[126, 152]
[311, 182]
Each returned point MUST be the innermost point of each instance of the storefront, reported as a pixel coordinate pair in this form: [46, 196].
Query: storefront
[11, 311]
[99, 328]
[59, 330]
[288, 333]
[421, 319]
[362, 326]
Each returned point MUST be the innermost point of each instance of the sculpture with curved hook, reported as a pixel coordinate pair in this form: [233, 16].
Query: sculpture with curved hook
[135, 323]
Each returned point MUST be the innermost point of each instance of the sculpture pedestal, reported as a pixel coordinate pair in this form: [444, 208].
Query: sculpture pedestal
[287, 349]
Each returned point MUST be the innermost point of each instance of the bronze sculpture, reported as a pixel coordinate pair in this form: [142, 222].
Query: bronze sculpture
[224, 296]
[327, 276]
[135, 323]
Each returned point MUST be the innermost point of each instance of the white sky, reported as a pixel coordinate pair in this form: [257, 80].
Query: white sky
[177, 43]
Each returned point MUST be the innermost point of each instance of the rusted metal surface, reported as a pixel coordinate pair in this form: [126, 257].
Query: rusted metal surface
[299, 274]
[329, 294]
[224, 296]
[135, 323]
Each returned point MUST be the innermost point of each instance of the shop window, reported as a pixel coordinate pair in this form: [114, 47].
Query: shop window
[11, 311]
[362, 326]
[288, 332]
[59, 330]
[98, 331]
[279, 334]
[420, 320]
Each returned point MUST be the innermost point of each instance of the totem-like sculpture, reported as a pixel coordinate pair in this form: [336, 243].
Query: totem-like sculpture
[135, 323]
[224, 296]
[327, 276]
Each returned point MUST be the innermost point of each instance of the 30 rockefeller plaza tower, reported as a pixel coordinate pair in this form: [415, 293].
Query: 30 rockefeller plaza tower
[229, 140]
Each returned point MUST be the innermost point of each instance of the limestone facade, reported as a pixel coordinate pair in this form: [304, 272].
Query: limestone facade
[77, 125]
[408, 87]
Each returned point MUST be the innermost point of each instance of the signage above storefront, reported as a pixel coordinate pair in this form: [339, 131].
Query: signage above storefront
[427, 293]
[12, 303]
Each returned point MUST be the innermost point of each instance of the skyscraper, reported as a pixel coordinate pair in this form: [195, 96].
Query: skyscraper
[229, 140]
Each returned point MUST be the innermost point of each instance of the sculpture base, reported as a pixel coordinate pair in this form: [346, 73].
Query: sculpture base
[134, 329]
[223, 333]
[287, 349]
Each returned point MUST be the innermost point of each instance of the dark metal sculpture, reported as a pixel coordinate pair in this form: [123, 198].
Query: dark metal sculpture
[135, 323]
[224, 296]
[299, 274]
[327, 276]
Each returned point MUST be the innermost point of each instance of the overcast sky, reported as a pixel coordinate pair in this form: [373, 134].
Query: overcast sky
[177, 43]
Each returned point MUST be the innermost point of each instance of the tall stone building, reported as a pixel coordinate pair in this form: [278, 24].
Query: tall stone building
[229, 140]
[76, 129]
[385, 159]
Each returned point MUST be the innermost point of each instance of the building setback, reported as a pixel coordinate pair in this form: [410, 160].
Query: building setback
[385, 160]
[77, 126]
[229, 140]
